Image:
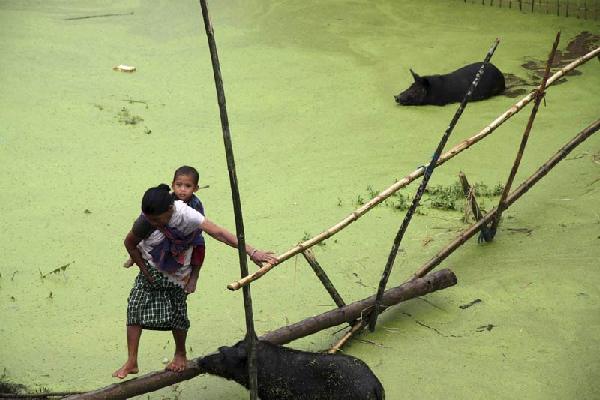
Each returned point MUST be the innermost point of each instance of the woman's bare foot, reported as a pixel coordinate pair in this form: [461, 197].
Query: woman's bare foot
[178, 364]
[126, 369]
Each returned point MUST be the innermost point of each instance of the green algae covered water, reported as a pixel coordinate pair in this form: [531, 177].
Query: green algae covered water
[315, 129]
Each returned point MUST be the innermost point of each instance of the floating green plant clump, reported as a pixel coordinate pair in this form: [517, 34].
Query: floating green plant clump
[125, 117]
[439, 197]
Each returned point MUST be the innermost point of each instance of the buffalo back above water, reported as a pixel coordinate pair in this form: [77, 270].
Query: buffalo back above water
[451, 88]
[289, 374]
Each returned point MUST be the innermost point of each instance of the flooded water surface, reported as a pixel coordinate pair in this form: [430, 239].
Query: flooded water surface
[316, 132]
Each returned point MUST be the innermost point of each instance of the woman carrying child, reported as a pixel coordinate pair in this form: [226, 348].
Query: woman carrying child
[184, 187]
[158, 298]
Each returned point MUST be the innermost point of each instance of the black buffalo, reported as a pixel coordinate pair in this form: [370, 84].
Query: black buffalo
[451, 88]
[288, 374]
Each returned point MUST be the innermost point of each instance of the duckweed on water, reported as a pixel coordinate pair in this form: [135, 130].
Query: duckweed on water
[125, 117]
[439, 197]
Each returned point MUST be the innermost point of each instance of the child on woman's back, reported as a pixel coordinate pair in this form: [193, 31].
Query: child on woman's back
[184, 185]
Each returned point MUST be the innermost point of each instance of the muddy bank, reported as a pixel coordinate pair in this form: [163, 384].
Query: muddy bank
[580, 45]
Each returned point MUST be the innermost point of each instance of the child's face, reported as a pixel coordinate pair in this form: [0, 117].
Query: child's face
[184, 187]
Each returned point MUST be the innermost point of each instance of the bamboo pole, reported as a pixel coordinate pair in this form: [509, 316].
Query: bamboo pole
[322, 275]
[464, 145]
[237, 204]
[426, 177]
[157, 380]
[539, 95]
[357, 327]
[514, 196]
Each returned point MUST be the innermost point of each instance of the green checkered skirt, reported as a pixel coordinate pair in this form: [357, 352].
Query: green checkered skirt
[160, 305]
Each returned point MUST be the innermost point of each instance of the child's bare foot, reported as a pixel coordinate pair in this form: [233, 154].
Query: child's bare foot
[178, 364]
[126, 369]
[128, 263]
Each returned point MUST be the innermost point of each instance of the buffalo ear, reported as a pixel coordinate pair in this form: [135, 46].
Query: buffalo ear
[416, 77]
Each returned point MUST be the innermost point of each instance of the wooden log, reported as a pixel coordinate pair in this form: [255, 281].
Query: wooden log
[236, 200]
[514, 196]
[156, 380]
[150, 382]
[41, 395]
[355, 310]
[460, 147]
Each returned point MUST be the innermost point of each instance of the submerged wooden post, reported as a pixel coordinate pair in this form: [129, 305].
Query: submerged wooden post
[237, 204]
[469, 192]
[514, 196]
[539, 95]
[312, 261]
[426, 176]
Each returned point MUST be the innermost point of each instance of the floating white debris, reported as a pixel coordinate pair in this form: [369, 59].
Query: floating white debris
[124, 68]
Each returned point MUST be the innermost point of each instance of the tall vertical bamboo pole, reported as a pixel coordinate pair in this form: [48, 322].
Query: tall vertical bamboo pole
[426, 176]
[539, 95]
[237, 204]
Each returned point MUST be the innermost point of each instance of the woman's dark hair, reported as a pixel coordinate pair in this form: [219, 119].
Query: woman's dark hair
[186, 170]
[157, 200]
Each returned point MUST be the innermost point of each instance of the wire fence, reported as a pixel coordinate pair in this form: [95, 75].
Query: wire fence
[581, 9]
